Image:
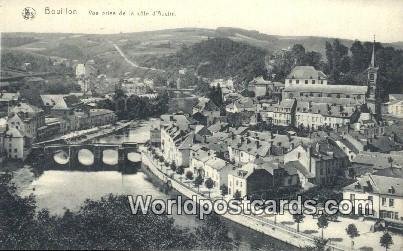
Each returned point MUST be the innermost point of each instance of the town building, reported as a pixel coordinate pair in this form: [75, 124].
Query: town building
[322, 163]
[386, 194]
[305, 75]
[261, 87]
[176, 141]
[282, 113]
[217, 169]
[395, 105]
[26, 118]
[14, 144]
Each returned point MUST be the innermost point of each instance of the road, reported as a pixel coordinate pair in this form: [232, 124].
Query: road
[131, 62]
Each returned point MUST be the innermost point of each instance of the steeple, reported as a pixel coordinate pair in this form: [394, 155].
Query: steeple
[374, 91]
[373, 54]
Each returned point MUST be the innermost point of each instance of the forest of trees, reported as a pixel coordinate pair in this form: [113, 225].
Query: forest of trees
[216, 58]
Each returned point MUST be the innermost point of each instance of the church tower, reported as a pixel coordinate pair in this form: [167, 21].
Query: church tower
[374, 92]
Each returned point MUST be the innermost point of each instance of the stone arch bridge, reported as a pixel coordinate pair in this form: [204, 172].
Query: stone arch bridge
[93, 156]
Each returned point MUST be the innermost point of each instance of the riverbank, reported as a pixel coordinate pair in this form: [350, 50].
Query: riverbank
[83, 136]
[274, 230]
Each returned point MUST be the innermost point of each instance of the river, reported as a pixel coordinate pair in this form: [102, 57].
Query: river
[58, 190]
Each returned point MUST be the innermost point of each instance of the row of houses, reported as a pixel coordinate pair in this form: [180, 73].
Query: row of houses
[25, 124]
[251, 163]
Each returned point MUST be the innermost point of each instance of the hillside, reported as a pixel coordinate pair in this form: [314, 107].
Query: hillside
[215, 58]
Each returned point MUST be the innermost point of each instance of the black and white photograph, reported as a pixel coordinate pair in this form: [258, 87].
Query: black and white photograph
[162, 125]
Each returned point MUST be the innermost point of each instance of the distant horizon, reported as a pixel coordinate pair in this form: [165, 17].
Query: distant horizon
[344, 19]
[200, 28]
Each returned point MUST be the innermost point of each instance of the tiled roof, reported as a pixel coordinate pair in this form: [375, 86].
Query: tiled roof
[55, 101]
[216, 163]
[306, 72]
[25, 107]
[300, 168]
[377, 184]
[9, 96]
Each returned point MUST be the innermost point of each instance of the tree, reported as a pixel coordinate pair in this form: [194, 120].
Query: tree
[189, 175]
[224, 189]
[298, 218]
[323, 222]
[320, 243]
[214, 234]
[237, 195]
[352, 231]
[209, 184]
[180, 170]
[173, 166]
[386, 240]
[298, 53]
[198, 181]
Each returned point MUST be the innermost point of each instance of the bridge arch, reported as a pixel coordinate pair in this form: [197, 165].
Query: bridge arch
[110, 157]
[61, 157]
[85, 157]
[134, 157]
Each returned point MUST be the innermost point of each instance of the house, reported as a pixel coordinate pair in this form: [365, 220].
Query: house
[243, 149]
[372, 162]
[386, 194]
[217, 169]
[14, 144]
[26, 118]
[320, 115]
[206, 112]
[241, 105]
[198, 157]
[395, 105]
[261, 87]
[176, 141]
[249, 180]
[322, 163]
[282, 113]
[8, 99]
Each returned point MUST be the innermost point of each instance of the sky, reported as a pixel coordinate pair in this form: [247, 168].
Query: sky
[350, 19]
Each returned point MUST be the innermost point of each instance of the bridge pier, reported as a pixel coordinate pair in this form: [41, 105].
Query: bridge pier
[98, 157]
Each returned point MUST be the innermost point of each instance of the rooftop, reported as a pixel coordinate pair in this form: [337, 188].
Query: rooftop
[306, 72]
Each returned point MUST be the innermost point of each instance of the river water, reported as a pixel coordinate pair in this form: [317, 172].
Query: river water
[58, 190]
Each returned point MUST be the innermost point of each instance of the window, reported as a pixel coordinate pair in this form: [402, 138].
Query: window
[15, 150]
[306, 82]
[383, 201]
[290, 81]
[321, 82]
[297, 81]
[371, 198]
[313, 81]
[391, 202]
